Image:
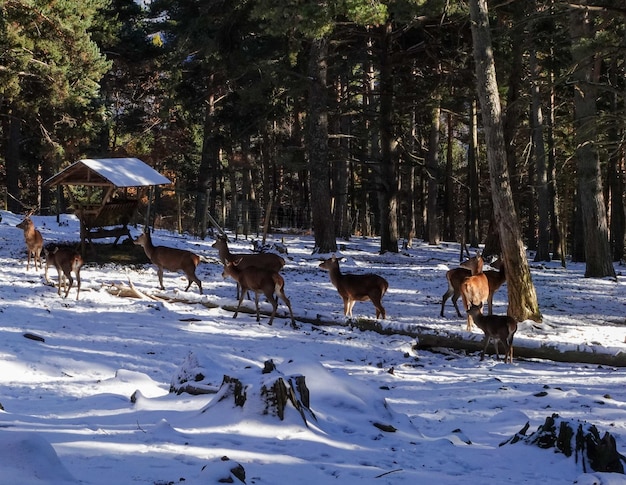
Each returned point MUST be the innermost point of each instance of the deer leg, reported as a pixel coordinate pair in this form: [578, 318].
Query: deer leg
[380, 310]
[288, 303]
[160, 274]
[274, 302]
[482, 354]
[77, 283]
[490, 303]
[456, 306]
[69, 286]
[238, 305]
[256, 304]
[444, 298]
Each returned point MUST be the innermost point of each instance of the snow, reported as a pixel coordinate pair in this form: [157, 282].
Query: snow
[69, 418]
[121, 172]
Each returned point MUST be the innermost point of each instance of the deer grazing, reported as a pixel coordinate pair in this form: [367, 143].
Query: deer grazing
[171, 259]
[34, 241]
[455, 277]
[268, 261]
[258, 280]
[497, 328]
[356, 287]
[66, 261]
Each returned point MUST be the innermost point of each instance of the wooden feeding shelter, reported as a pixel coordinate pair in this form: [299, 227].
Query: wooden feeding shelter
[105, 192]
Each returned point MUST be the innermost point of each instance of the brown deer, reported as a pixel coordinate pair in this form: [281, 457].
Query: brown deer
[474, 288]
[497, 328]
[259, 280]
[268, 261]
[356, 287]
[171, 259]
[34, 241]
[65, 260]
[455, 277]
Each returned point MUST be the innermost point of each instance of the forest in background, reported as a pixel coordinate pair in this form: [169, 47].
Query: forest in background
[348, 118]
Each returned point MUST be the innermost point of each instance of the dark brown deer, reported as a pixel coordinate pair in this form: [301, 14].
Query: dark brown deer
[497, 328]
[34, 241]
[259, 281]
[66, 261]
[171, 259]
[356, 287]
[268, 261]
[455, 277]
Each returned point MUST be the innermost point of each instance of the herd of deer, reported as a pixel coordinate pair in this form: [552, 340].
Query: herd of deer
[259, 273]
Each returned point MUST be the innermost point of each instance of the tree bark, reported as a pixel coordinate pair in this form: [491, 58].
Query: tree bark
[323, 227]
[472, 235]
[541, 171]
[388, 177]
[521, 291]
[593, 210]
[432, 171]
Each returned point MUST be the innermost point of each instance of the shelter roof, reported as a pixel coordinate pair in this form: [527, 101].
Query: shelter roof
[119, 172]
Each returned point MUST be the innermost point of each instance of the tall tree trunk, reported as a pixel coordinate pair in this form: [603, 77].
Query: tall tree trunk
[388, 178]
[472, 235]
[521, 291]
[342, 164]
[432, 171]
[450, 200]
[541, 170]
[593, 212]
[207, 172]
[323, 227]
[13, 162]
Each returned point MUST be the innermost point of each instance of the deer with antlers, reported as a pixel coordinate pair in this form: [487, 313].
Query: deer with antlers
[34, 241]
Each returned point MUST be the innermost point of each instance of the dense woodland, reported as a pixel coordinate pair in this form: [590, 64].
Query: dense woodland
[403, 119]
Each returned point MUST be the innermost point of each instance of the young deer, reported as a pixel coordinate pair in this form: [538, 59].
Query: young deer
[259, 280]
[356, 287]
[474, 288]
[455, 277]
[497, 328]
[268, 261]
[34, 241]
[171, 259]
[65, 260]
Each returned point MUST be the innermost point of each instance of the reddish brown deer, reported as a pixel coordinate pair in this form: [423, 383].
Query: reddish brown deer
[497, 328]
[66, 261]
[356, 287]
[259, 280]
[474, 288]
[171, 259]
[455, 277]
[268, 261]
[34, 241]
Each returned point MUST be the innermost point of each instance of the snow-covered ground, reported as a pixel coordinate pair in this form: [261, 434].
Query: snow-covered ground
[68, 415]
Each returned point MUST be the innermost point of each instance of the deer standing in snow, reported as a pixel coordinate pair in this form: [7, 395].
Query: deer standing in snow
[497, 328]
[268, 261]
[171, 259]
[455, 277]
[474, 288]
[66, 261]
[258, 280]
[356, 287]
[34, 241]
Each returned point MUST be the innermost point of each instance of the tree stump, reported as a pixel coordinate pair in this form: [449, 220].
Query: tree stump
[269, 393]
[578, 438]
